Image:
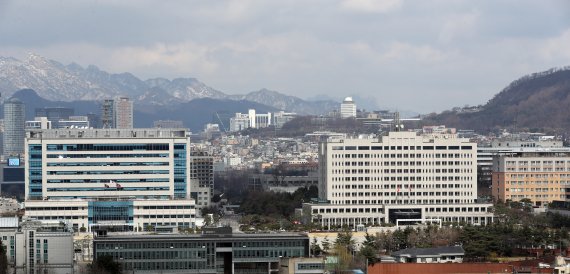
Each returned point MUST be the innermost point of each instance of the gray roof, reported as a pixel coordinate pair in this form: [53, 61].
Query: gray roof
[429, 252]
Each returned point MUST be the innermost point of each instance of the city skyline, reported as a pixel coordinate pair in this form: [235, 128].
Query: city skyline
[391, 51]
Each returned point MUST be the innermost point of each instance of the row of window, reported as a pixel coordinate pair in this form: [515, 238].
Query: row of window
[401, 201]
[379, 210]
[398, 193]
[400, 147]
[60, 208]
[399, 171]
[401, 186]
[107, 147]
[399, 179]
[400, 163]
[108, 164]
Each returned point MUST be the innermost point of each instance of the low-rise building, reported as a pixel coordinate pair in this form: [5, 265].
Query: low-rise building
[302, 265]
[37, 246]
[447, 254]
[216, 250]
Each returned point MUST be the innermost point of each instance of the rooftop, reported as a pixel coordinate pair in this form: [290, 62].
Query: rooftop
[428, 252]
[74, 133]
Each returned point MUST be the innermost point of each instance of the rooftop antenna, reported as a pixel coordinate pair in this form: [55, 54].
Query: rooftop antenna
[398, 126]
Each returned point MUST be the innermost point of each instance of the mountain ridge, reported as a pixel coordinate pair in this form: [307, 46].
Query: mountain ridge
[57, 82]
[535, 102]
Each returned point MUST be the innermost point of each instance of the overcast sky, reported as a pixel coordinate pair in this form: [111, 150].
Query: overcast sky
[410, 55]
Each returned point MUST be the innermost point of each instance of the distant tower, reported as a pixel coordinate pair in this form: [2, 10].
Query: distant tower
[348, 108]
[123, 113]
[108, 114]
[14, 133]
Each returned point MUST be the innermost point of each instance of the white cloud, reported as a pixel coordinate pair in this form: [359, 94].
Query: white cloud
[372, 6]
[557, 48]
[458, 25]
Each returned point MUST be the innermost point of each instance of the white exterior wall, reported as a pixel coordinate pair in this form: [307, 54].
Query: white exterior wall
[398, 176]
[252, 120]
[76, 212]
[361, 180]
[347, 109]
[142, 215]
[63, 157]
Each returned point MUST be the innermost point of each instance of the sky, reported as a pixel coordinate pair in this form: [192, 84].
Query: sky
[417, 55]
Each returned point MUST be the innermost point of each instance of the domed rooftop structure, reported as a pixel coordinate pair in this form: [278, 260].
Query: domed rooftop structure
[347, 99]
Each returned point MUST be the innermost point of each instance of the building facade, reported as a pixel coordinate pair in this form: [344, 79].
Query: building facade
[123, 113]
[14, 133]
[55, 114]
[397, 178]
[37, 246]
[252, 119]
[348, 108]
[108, 113]
[38, 123]
[538, 174]
[94, 177]
[168, 124]
[201, 177]
[214, 251]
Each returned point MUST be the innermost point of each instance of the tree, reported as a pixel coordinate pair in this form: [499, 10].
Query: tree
[326, 245]
[315, 248]
[344, 239]
[369, 253]
[3, 259]
[106, 264]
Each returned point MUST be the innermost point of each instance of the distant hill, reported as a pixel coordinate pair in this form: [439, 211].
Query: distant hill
[193, 114]
[537, 102]
[57, 82]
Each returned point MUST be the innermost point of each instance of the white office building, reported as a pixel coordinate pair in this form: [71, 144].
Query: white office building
[348, 108]
[252, 119]
[402, 177]
[129, 179]
[38, 123]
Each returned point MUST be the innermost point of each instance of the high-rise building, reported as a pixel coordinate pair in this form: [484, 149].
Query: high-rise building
[401, 177]
[108, 113]
[117, 113]
[55, 114]
[14, 132]
[123, 113]
[541, 175]
[348, 108]
[128, 179]
[201, 177]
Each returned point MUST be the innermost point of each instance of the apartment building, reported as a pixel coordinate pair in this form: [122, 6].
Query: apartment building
[539, 174]
[129, 179]
[401, 177]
